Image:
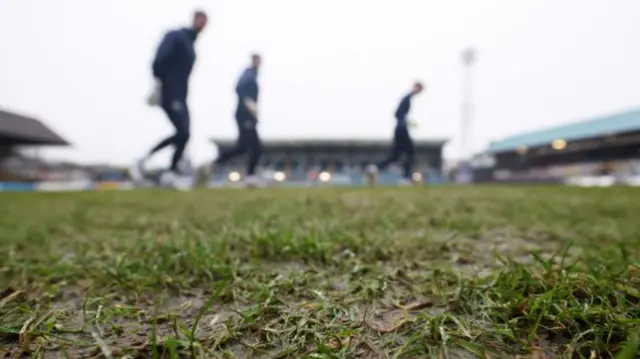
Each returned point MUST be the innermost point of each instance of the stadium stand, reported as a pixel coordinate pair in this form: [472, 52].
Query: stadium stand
[18, 129]
[303, 161]
[16, 132]
[607, 146]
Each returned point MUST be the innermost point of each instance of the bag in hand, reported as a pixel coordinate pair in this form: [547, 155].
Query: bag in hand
[154, 97]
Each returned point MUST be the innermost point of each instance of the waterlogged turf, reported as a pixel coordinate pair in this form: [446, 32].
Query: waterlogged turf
[486, 272]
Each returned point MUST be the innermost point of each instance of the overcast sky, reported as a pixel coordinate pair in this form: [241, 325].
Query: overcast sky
[332, 68]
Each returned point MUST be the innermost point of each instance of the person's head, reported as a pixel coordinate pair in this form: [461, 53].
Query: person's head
[417, 88]
[256, 60]
[199, 21]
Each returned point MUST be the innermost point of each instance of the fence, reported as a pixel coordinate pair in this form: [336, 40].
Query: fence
[66, 186]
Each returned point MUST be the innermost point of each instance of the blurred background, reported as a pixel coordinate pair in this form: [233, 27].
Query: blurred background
[527, 91]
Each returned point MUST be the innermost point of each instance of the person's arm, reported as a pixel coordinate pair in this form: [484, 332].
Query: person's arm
[251, 98]
[159, 66]
[248, 92]
[403, 110]
[165, 50]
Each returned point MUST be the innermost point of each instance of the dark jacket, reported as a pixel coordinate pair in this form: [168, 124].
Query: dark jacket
[247, 87]
[403, 110]
[173, 63]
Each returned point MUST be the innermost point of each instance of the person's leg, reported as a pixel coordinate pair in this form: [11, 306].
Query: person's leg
[179, 115]
[255, 151]
[409, 151]
[137, 171]
[229, 154]
[182, 122]
[171, 139]
[164, 143]
[239, 149]
[395, 153]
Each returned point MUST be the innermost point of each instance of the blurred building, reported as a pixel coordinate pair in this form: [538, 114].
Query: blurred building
[20, 138]
[605, 146]
[331, 160]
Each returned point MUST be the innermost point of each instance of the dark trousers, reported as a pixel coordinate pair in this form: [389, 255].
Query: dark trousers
[178, 114]
[402, 145]
[248, 142]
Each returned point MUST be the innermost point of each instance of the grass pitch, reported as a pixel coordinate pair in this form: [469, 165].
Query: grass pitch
[322, 273]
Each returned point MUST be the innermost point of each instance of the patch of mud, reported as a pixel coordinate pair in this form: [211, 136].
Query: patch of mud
[480, 256]
[121, 327]
[460, 354]
[185, 304]
[357, 200]
[339, 286]
[396, 316]
[289, 269]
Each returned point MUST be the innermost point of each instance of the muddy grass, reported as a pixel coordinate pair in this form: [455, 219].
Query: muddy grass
[394, 273]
